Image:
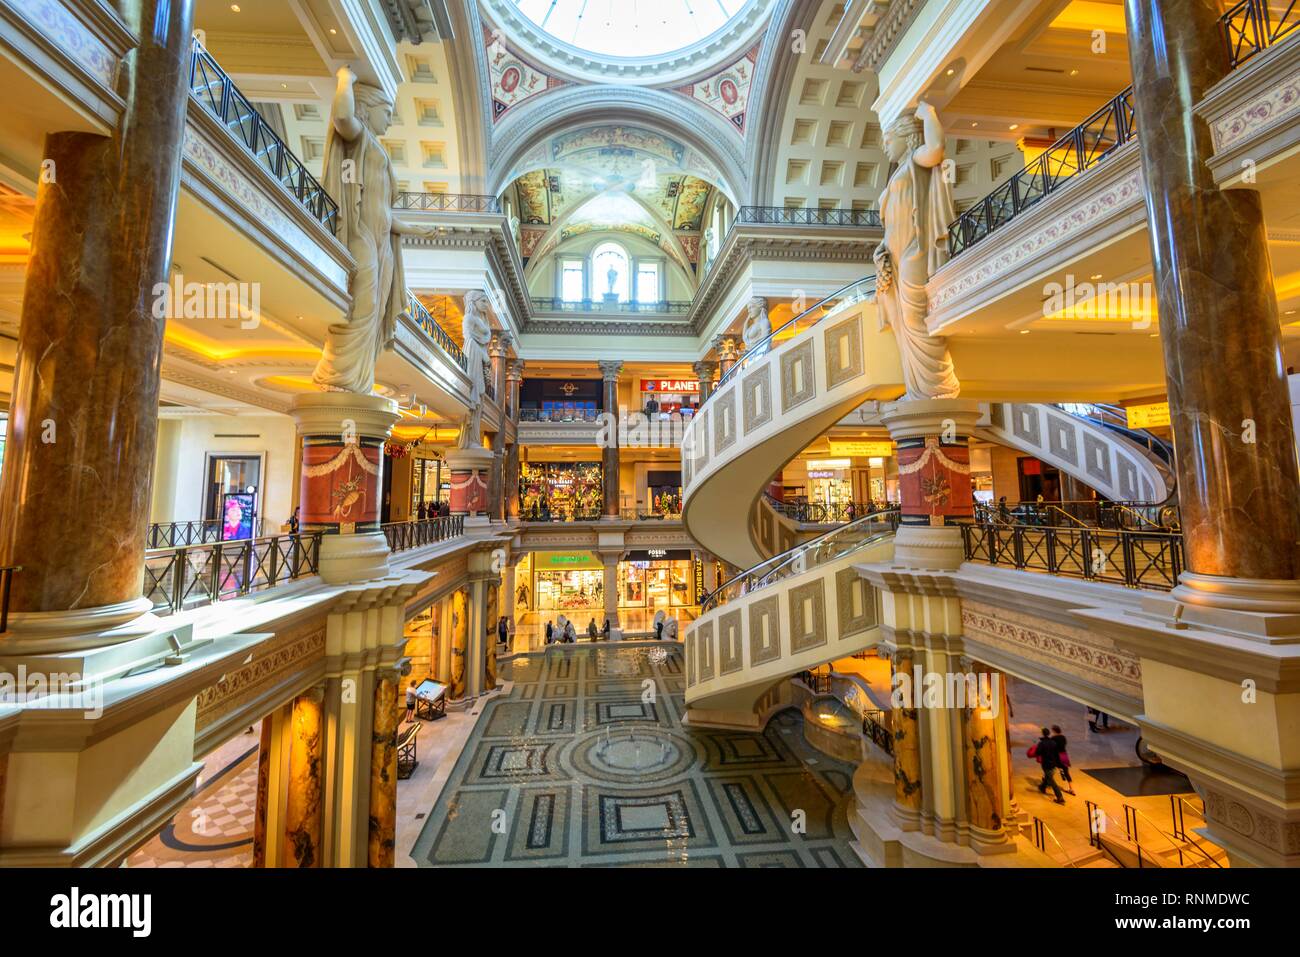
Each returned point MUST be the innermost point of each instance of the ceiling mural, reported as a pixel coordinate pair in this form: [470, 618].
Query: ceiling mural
[727, 91]
[514, 80]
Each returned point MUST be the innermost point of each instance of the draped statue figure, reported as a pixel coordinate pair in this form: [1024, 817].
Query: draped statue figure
[359, 176]
[758, 326]
[916, 208]
[477, 330]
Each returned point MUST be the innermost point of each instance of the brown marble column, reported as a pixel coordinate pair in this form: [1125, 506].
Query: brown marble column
[383, 769]
[983, 753]
[303, 819]
[609, 372]
[263, 794]
[1231, 418]
[728, 350]
[498, 349]
[514, 379]
[907, 741]
[459, 643]
[704, 370]
[490, 638]
[74, 499]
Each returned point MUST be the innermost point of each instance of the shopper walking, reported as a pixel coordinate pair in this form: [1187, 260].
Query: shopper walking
[1045, 751]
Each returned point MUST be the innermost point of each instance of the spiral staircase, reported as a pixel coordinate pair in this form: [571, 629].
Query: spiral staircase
[800, 605]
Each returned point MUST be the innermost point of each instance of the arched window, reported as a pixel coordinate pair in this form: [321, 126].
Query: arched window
[611, 272]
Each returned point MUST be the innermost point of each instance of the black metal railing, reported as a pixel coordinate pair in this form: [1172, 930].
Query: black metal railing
[448, 202]
[806, 216]
[1138, 559]
[806, 556]
[217, 93]
[176, 579]
[536, 514]
[176, 534]
[424, 319]
[877, 730]
[1089, 513]
[821, 513]
[1077, 151]
[660, 307]
[1255, 25]
[818, 682]
[560, 415]
[6, 581]
[406, 535]
[860, 290]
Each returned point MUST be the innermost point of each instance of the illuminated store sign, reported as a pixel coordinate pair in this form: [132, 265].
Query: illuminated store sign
[824, 464]
[863, 449]
[567, 560]
[671, 386]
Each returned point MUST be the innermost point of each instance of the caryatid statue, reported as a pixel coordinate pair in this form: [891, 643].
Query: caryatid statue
[477, 330]
[359, 175]
[916, 208]
[758, 326]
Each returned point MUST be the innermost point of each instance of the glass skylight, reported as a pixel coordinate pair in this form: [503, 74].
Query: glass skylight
[632, 29]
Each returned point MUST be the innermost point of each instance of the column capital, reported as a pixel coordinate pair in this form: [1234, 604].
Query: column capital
[515, 370]
[500, 344]
[727, 347]
[610, 369]
[704, 369]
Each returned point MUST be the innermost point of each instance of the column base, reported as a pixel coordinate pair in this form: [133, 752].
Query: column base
[1264, 609]
[351, 559]
[931, 548]
[78, 629]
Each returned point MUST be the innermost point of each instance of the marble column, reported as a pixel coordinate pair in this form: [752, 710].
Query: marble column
[984, 754]
[609, 372]
[303, 819]
[383, 769]
[728, 350]
[609, 586]
[83, 423]
[459, 643]
[1236, 460]
[514, 379]
[490, 636]
[509, 587]
[498, 350]
[261, 812]
[932, 438]
[907, 745]
[704, 371]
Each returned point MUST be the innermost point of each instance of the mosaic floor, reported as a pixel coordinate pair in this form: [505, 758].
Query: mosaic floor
[585, 763]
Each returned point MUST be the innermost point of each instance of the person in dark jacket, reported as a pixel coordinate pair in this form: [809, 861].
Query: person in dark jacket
[604, 630]
[503, 631]
[1045, 752]
[592, 631]
[1062, 757]
[550, 632]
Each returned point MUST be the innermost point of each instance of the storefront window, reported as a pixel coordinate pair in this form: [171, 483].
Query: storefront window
[664, 493]
[666, 396]
[426, 478]
[560, 491]
[646, 580]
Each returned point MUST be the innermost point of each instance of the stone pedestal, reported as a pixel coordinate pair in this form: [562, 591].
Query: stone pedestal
[934, 481]
[341, 480]
[469, 483]
[609, 454]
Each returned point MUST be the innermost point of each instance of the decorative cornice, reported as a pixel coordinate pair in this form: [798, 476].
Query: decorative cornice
[886, 34]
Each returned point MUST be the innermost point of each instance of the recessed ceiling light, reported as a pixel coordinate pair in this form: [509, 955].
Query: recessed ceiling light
[1074, 73]
[1024, 332]
[234, 8]
[333, 32]
[974, 124]
[1096, 275]
[1014, 126]
[951, 71]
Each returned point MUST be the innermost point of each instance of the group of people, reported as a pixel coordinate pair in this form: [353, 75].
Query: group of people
[565, 633]
[654, 410]
[432, 510]
[1050, 751]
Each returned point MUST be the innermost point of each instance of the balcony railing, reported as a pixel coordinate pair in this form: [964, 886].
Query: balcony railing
[665, 306]
[560, 415]
[1255, 25]
[1138, 559]
[821, 513]
[807, 216]
[448, 202]
[176, 534]
[176, 579]
[1078, 150]
[212, 89]
[407, 535]
[425, 321]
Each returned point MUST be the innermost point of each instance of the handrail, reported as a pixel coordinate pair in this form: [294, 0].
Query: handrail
[1094, 513]
[818, 513]
[860, 290]
[797, 558]
[1252, 26]
[1043, 829]
[415, 534]
[658, 307]
[6, 580]
[1176, 804]
[448, 202]
[1136, 813]
[1136, 559]
[212, 88]
[176, 579]
[796, 216]
[874, 728]
[1078, 150]
[1098, 813]
[424, 319]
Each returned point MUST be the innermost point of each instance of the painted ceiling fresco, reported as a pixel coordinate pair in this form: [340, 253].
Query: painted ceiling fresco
[544, 195]
[727, 91]
[513, 78]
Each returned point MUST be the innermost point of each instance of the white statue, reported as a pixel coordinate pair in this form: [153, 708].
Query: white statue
[670, 629]
[477, 332]
[916, 208]
[758, 326]
[359, 176]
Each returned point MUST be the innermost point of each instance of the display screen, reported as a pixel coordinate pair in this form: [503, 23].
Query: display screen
[237, 512]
